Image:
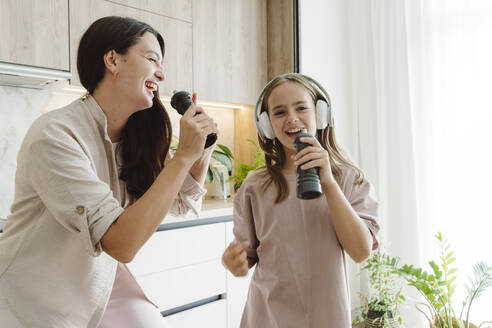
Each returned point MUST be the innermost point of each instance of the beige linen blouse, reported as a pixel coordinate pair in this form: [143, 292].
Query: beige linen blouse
[53, 272]
[300, 278]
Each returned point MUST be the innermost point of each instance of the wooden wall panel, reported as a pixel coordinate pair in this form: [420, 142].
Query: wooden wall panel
[229, 49]
[180, 9]
[280, 37]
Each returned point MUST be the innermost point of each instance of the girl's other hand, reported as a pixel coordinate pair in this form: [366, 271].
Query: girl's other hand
[235, 259]
[315, 156]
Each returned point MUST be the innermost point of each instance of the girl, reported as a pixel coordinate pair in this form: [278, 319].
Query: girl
[299, 246]
[92, 185]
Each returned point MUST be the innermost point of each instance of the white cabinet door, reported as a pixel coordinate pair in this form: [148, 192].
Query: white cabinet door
[237, 289]
[212, 315]
[182, 266]
[179, 247]
[181, 286]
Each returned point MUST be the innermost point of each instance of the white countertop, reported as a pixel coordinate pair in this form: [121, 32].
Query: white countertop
[210, 209]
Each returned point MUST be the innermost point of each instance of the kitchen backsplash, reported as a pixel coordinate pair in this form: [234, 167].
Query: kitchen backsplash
[19, 107]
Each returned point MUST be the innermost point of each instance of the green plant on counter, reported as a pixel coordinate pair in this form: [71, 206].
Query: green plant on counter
[242, 169]
[380, 308]
[439, 286]
[223, 156]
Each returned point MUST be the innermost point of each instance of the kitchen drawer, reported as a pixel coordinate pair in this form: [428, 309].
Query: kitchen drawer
[184, 285]
[211, 315]
[180, 247]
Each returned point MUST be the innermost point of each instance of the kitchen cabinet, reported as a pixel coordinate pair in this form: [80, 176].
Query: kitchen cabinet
[217, 48]
[35, 33]
[181, 266]
[229, 49]
[210, 315]
[176, 287]
[177, 36]
[180, 9]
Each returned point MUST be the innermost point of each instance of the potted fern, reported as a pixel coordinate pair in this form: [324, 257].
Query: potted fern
[380, 308]
[438, 288]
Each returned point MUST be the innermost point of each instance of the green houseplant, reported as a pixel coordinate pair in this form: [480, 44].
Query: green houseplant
[222, 155]
[242, 169]
[438, 287]
[380, 308]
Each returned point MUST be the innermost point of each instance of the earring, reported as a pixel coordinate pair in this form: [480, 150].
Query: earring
[115, 73]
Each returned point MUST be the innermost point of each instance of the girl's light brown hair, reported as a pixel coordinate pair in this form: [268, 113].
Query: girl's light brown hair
[274, 152]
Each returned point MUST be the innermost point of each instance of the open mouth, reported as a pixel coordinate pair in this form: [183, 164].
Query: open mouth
[152, 86]
[293, 132]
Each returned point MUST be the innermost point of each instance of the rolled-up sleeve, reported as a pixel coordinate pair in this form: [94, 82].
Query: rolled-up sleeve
[189, 198]
[66, 182]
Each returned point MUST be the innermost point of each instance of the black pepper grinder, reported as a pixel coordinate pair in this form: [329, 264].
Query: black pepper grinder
[308, 185]
[181, 101]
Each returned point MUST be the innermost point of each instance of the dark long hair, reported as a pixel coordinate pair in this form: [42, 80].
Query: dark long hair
[147, 135]
[274, 151]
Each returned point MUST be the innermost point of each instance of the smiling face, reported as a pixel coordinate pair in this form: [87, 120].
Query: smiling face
[291, 108]
[139, 72]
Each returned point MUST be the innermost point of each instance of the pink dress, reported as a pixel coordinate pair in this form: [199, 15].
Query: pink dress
[128, 307]
[300, 278]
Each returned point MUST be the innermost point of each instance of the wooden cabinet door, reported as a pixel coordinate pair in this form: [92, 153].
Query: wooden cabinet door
[176, 34]
[35, 33]
[180, 9]
[229, 49]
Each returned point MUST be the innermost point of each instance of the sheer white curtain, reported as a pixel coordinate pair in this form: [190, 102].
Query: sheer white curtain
[420, 79]
[460, 62]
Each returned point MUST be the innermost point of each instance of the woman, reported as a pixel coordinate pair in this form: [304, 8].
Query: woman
[93, 182]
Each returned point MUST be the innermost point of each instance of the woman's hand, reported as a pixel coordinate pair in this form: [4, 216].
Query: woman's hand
[235, 259]
[313, 156]
[193, 132]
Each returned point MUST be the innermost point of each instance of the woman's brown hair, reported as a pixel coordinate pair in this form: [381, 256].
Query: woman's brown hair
[147, 135]
[274, 151]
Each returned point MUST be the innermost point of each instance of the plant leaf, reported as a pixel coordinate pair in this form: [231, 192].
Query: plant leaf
[218, 177]
[223, 159]
[226, 150]
[453, 270]
[209, 177]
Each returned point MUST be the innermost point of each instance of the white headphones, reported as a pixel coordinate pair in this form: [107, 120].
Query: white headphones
[324, 115]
